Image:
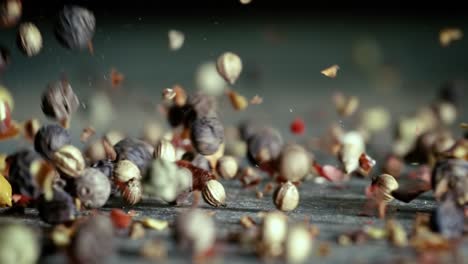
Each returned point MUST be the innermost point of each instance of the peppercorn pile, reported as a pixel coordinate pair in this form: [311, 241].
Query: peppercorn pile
[216, 190]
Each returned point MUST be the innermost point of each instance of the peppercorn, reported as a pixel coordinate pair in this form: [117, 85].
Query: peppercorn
[208, 80]
[4, 59]
[451, 175]
[273, 234]
[247, 128]
[136, 151]
[30, 129]
[49, 139]
[195, 231]
[105, 166]
[385, 184]
[264, 145]
[286, 197]
[21, 175]
[59, 101]
[298, 245]
[18, 244]
[229, 66]
[448, 217]
[69, 160]
[166, 181]
[178, 115]
[214, 194]
[92, 188]
[59, 210]
[10, 12]
[294, 163]
[125, 171]
[207, 135]
[152, 132]
[29, 39]
[165, 150]
[132, 191]
[75, 27]
[202, 105]
[353, 146]
[227, 167]
[93, 241]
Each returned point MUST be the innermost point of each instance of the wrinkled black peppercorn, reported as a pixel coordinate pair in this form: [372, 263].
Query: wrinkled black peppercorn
[75, 27]
[59, 101]
[202, 105]
[93, 188]
[265, 145]
[136, 151]
[20, 177]
[448, 218]
[49, 139]
[4, 59]
[93, 241]
[59, 210]
[207, 134]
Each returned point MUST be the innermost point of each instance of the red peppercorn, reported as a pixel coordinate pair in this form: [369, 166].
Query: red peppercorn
[297, 126]
[120, 219]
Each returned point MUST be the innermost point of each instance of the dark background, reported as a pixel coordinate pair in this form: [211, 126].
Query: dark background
[389, 56]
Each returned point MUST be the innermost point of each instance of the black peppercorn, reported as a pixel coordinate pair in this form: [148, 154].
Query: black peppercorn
[20, 173]
[202, 105]
[265, 145]
[75, 27]
[4, 58]
[105, 166]
[178, 115]
[207, 134]
[448, 218]
[59, 210]
[59, 101]
[451, 176]
[49, 139]
[93, 188]
[136, 151]
[247, 128]
[93, 241]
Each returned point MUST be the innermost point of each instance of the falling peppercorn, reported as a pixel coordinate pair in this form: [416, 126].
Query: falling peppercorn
[59, 101]
[207, 134]
[75, 27]
[49, 139]
[264, 145]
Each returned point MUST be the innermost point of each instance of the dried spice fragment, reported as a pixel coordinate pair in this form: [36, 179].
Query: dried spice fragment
[87, 133]
[176, 39]
[331, 71]
[238, 101]
[120, 219]
[297, 126]
[155, 224]
[449, 35]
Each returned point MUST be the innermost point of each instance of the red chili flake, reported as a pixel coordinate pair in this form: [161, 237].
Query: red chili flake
[21, 200]
[199, 176]
[366, 163]
[332, 173]
[116, 78]
[120, 219]
[297, 126]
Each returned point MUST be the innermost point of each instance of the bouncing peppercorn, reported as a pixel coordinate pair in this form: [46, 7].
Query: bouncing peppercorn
[195, 231]
[286, 197]
[264, 145]
[29, 39]
[69, 160]
[18, 244]
[294, 163]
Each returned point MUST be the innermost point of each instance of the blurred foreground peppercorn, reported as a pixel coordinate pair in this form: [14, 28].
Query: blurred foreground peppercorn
[451, 176]
[195, 231]
[448, 218]
[75, 27]
[10, 12]
[264, 145]
[49, 139]
[21, 170]
[93, 241]
[18, 244]
[59, 209]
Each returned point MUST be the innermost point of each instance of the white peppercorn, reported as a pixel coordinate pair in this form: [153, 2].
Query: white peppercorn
[165, 150]
[286, 197]
[18, 244]
[29, 39]
[69, 160]
[273, 234]
[298, 245]
[214, 194]
[294, 163]
[195, 231]
[227, 167]
[10, 12]
[125, 171]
